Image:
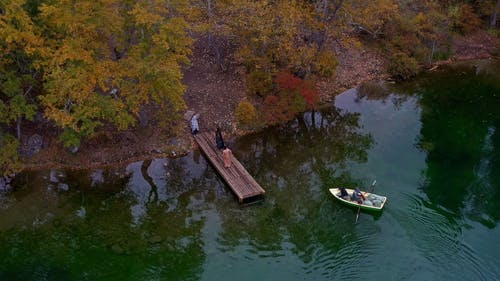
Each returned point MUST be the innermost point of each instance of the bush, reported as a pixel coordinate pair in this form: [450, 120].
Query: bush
[9, 157]
[246, 114]
[402, 67]
[326, 64]
[259, 82]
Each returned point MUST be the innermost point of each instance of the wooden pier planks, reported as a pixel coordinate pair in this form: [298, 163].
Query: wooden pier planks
[236, 176]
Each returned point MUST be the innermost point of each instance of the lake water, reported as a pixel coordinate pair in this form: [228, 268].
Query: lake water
[432, 145]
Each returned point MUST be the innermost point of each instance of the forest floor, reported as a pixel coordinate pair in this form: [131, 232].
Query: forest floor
[214, 93]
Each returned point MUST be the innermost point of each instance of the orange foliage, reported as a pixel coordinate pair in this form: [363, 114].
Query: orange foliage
[289, 82]
[271, 113]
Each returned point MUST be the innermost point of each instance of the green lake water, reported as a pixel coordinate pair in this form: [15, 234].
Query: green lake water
[432, 144]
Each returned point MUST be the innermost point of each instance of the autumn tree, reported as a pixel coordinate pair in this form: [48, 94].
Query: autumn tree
[19, 47]
[108, 59]
[294, 95]
[370, 16]
[207, 17]
[18, 76]
[280, 35]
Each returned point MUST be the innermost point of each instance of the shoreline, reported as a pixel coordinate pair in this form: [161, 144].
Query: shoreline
[158, 145]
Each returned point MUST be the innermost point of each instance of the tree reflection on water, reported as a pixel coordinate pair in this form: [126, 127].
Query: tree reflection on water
[296, 163]
[461, 135]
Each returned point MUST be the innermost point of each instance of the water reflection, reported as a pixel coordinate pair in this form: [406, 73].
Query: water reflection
[142, 224]
[174, 219]
[460, 135]
[295, 163]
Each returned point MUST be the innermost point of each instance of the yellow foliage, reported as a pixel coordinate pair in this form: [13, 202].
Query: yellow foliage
[246, 114]
[109, 59]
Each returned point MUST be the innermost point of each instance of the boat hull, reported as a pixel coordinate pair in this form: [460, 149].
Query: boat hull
[377, 207]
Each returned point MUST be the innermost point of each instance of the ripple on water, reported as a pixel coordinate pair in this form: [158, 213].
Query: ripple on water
[439, 240]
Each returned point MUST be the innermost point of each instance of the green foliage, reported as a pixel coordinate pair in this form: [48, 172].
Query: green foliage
[246, 114]
[70, 137]
[402, 67]
[9, 158]
[259, 82]
[441, 55]
[493, 32]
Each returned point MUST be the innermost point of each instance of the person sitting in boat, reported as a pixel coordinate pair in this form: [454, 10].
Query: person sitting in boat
[344, 194]
[357, 196]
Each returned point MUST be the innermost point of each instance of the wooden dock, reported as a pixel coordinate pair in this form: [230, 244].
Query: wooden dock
[236, 176]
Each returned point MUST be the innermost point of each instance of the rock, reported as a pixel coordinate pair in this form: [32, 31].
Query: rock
[82, 212]
[33, 145]
[53, 177]
[97, 177]
[74, 149]
[3, 184]
[63, 187]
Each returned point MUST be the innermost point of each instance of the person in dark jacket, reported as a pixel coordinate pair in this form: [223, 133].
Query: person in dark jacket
[218, 139]
[357, 196]
[344, 194]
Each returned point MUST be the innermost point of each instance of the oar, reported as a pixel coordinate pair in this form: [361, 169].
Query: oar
[357, 215]
[359, 208]
[373, 185]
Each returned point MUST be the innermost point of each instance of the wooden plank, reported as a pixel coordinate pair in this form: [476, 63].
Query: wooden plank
[236, 176]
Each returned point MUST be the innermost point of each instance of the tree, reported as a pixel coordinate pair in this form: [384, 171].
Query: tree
[281, 35]
[19, 45]
[493, 21]
[205, 16]
[109, 58]
[371, 16]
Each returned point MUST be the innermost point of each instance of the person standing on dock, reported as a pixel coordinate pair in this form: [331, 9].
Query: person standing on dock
[194, 124]
[218, 139]
[227, 156]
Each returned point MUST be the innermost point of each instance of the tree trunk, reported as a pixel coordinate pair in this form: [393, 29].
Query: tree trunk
[493, 22]
[211, 41]
[336, 9]
[19, 120]
[432, 51]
